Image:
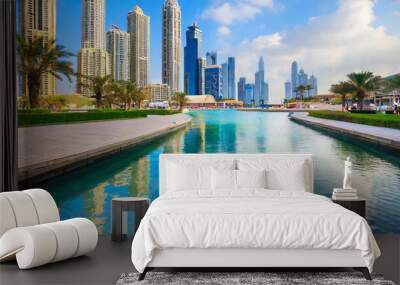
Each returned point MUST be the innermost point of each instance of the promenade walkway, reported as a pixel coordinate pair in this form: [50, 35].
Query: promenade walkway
[45, 151]
[384, 136]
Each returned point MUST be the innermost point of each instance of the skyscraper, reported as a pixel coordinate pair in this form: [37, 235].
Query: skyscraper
[93, 59]
[192, 53]
[260, 86]
[201, 66]
[249, 94]
[294, 72]
[118, 45]
[225, 80]
[231, 78]
[171, 44]
[241, 89]
[212, 58]
[38, 19]
[139, 56]
[213, 81]
[314, 85]
[288, 90]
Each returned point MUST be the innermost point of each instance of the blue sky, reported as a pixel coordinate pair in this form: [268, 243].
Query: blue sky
[323, 35]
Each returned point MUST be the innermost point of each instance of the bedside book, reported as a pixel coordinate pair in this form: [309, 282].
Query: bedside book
[344, 194]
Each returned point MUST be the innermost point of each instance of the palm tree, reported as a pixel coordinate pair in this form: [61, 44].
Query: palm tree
[300, 90]
[111, 93]
[180, 98]
[139, 96]
[96, 84]
[37, 58]
[307, 88]
[343, 88]
[363, 83]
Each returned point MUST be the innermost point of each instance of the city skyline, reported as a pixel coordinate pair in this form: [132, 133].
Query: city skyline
[273, 37]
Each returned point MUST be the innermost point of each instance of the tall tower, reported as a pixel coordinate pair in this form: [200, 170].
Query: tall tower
[212, 58]
[118, 46]
[93, 59]
[139, 31]
[38, 19]
[171, 44]
[225, 80]
[231, 78]
[294, 74]
[260, 87]
[192, 53]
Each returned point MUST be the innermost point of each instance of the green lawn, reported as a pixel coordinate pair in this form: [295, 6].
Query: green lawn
[380, 120]
[27, 118]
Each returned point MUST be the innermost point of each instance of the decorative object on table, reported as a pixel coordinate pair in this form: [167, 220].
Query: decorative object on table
[248, 278]
[357, 206]
[31, 231]
[347, 192]
[120, 207]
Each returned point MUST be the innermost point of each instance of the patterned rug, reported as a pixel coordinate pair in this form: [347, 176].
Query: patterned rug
[243, 278]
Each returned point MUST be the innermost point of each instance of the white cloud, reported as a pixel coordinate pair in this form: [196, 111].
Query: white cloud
[329, 46]
[224, 31]
[231, 11]
[396, 13]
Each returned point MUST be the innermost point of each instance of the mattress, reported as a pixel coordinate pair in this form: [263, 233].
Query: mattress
[250, 219]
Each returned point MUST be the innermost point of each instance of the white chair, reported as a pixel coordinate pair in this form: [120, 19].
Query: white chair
[31, 231]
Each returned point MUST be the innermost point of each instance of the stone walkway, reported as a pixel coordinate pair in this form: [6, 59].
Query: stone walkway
[383, 136]
[45, 149]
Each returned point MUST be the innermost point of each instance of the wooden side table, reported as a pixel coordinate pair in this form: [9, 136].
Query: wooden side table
[124, 204]
[358, 206]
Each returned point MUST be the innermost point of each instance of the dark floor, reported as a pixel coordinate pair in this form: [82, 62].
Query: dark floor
[110, 260]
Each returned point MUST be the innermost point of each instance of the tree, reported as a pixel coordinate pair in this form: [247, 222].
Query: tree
[363, 83]
[392, 83]
[111, 93]
[343, 88]
[96, 84]
[307, 88]
[180, 98]
[138, 97]
[300, 90]
[38, 57]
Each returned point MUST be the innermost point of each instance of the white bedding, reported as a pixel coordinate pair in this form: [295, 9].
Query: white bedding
[250, 219]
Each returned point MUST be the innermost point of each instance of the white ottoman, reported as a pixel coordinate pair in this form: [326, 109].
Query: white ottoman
[31, 232]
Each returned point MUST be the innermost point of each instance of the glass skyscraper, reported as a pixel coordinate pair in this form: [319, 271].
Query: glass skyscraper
[192, 54]
[294, 72]
[241, 89]
[213, 81]
[212, 58]
[249, 94]
[288, 90]
[260, 86]
[231, 78]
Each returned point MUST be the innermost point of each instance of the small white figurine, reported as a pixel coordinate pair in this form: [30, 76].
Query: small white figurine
[347, 174]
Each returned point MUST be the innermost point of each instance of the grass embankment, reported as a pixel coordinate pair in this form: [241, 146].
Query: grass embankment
[379, 120]
[38, 117]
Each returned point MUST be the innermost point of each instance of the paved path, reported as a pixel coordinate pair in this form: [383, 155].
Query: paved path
[383, 136]
[45, 149]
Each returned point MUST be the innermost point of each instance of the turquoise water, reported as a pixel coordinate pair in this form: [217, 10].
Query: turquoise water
[88, 191]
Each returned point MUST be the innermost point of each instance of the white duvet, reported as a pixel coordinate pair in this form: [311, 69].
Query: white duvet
[250, 219]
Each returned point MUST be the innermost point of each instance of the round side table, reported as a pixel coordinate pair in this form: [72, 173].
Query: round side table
[122, 205]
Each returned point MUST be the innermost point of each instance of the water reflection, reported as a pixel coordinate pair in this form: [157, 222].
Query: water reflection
[88, 191]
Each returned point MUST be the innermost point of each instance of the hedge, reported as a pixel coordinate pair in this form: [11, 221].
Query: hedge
[26, 118]
[380, 120]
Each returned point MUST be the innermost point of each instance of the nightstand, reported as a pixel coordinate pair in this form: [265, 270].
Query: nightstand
[119, 219]
[358, 206]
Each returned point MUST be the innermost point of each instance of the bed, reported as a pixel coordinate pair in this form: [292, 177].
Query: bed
[247, 211]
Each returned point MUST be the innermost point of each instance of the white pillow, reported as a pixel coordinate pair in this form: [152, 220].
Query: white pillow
[251, 178]
[282, 174]
[194, 174]
[223, 179]
[184, 178]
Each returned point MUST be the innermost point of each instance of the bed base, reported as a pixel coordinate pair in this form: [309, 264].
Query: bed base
[363, 270]
[243, 260]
